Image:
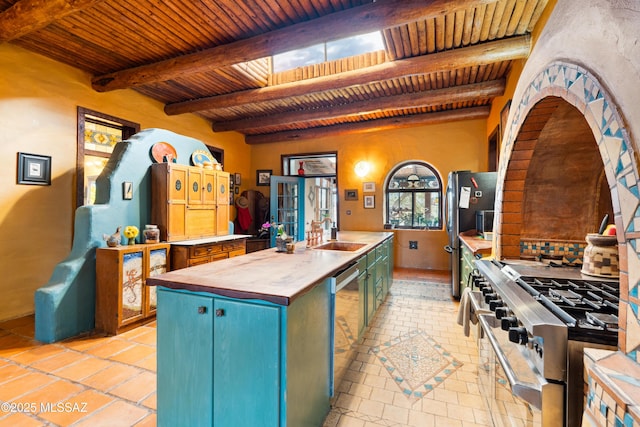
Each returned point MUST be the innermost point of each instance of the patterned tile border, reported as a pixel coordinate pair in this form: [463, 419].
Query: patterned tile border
[416, 362]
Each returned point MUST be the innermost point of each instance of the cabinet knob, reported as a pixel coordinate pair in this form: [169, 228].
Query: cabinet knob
[219, 312]
[202, 309]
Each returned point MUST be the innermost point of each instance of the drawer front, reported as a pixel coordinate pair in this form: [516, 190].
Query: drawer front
[204, 250]
[233, 246]
[237, 252]
[198, 261]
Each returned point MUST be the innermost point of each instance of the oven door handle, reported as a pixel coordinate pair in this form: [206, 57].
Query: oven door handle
[528, 392]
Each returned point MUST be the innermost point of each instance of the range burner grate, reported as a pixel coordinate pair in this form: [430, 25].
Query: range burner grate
[588, 307]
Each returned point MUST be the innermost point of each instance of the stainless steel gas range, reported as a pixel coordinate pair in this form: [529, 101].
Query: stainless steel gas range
[535, 320]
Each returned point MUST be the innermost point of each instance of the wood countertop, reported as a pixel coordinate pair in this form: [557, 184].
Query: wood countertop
[268, 275]
[475, 242]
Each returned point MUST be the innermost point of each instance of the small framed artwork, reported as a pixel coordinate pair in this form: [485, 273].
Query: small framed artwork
[34, 169]
[369, 187]
[238, 178]
[127, 190]
[369, 202]
[351, 194]
[263, 177]
[232, 179]
[236, 190]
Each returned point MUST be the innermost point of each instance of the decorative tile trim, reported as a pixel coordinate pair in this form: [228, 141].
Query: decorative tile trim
[582, 89]
[569, 252]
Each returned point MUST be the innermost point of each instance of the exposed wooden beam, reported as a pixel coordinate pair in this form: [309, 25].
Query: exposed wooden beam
[27, 16]
[486, 53]
[450, 95]
[358, 20]
[472, 113]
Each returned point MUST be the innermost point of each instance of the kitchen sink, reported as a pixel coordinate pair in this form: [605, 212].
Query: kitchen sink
[341, 246]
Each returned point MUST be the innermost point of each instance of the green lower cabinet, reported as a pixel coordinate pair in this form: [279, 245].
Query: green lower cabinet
[226, 362]
[362, 302]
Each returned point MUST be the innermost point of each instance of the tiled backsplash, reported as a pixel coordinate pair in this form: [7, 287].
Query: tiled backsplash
[567, 252]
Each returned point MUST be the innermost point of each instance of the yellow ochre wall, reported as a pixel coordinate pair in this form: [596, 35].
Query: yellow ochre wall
[451, 146]
[38, 101]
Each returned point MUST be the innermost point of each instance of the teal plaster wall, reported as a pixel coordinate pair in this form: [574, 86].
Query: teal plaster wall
[65, 305]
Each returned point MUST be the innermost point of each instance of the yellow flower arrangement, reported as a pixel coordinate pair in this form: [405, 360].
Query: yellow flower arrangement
[131, 232]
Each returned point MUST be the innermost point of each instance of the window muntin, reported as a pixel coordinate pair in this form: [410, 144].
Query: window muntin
[414, 194]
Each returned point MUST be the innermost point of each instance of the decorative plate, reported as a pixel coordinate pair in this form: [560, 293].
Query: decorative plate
[198, 158]
[160, 150]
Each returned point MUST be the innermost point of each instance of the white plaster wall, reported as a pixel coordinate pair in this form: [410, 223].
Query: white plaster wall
[603, 37]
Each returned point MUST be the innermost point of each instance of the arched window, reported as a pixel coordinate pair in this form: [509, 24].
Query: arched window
[413, 197]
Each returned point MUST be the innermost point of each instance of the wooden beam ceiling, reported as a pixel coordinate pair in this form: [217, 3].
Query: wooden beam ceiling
[472, 113]
[455, 94]
[27, 16]
[372, 17]
[497, 51]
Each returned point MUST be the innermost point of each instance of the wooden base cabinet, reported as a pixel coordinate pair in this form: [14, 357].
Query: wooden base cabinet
[122, 298]
[188, 254]
[228, 362]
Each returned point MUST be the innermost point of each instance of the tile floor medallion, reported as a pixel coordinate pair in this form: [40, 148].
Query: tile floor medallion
[416, 362]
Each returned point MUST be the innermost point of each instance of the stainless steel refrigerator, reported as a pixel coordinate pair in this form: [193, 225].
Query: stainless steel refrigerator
[467, 192]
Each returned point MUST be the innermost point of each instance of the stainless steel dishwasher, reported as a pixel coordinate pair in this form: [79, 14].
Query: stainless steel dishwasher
[344, 334]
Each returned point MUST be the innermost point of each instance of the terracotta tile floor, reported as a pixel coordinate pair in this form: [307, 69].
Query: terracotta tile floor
[95, 380]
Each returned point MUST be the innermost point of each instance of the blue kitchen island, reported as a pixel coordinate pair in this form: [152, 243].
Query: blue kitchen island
[248, 341]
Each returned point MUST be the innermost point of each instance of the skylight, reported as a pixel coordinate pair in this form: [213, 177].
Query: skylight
[329, 51]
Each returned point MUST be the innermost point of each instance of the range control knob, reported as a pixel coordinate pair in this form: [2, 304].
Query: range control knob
[508, 323]
[487, 290]
[493, 305]
[518, 335]
[501, 312]
[490, 297]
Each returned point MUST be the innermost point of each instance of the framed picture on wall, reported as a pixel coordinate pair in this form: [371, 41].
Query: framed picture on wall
[351, 194]
[238, 178]
[34, 169]
[369, 187]
[263, 176]
[369, 202]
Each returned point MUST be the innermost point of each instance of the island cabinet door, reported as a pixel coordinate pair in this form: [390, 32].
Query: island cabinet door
[218, 361]
[185, 359]
[246, 364]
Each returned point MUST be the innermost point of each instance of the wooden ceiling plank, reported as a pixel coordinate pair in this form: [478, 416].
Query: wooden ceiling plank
[459, 27]
[27, 16]
[507, 15]
[489, 89]
[370, 17]
[501, 50]
[536, 14]
[440, 33]
[486, 21]
[449, 25]
[527, 13]
[474, 113]
[516, 16]
[496, 20]
[480, 16]
[469, 18]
